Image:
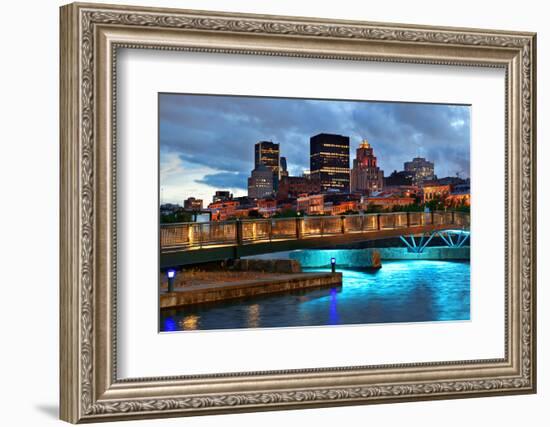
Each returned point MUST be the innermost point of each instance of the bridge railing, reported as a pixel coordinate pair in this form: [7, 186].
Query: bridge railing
[197, 235]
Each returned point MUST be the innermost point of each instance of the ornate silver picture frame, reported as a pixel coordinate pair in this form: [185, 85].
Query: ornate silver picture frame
[91, 35]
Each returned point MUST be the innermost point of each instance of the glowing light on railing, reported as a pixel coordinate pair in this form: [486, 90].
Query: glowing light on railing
[171, 274]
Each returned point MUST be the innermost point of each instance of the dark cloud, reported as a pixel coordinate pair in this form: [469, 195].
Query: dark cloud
[225, 180]
[220, 131]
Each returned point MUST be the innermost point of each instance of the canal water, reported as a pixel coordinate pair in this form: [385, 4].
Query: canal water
[401, 291]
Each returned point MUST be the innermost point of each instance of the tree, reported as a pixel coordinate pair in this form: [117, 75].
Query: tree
[350, 212]
[372, 208]
[177, 216]
[436, 204]
[287, 213]
[462, 206]
[413, 207]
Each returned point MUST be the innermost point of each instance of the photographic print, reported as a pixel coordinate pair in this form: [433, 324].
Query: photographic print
[285, 212]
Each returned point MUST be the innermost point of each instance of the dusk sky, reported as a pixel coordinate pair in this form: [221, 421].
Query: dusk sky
[207, 141]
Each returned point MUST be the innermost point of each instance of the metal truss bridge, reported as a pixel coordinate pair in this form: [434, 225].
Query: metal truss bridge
[452, 238]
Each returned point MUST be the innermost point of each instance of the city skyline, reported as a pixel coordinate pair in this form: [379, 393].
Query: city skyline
[190, 124]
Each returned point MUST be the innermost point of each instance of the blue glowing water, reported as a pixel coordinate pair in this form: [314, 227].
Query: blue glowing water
[401, 291]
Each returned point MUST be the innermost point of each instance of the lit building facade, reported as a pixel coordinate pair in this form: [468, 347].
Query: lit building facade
[260, 183]
[342, 208]
[223, 210]
[386, 202]
[222, 196]
[421, 169]
[435, 191]
[293, 186]
[459, 196]
[366, 176]
[311, 205]
[283, 167]
[268, 153]
[329, 162]
[192, 204]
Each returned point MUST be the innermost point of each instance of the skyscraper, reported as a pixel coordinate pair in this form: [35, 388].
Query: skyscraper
[366, 176]
[421, 169]
[260, 183]
[283, 166]
[268, 153]
[329, 161]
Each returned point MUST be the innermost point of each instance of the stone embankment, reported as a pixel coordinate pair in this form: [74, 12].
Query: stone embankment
[273, 276]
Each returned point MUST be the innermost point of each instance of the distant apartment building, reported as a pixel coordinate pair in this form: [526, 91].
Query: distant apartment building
[327, 204]
[433, 191]
[267, 207]
[293, 186]
[223, 210]
[221, 196]
[401, 190]
[366, 176]
[342, 207]
[421, 169]
[453, 180]
[397, 179]
[245, 202]
[385, 201]
[261, 182]
[329, 162]
[311, 205]
[459, 196]
[192, 204]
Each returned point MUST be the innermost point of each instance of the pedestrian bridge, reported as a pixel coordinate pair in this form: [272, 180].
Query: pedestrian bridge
[192, 243]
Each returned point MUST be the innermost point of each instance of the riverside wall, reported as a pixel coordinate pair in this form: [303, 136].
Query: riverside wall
[368, 257]
[249, 288]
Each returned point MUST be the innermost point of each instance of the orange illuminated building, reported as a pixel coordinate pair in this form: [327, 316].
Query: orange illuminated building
[434, 191]
[223, 210]
[387, 202]
[311, 205]
[343, 207]
[454, 200]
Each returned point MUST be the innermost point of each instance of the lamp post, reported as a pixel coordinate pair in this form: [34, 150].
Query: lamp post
[171, 274]
[333, 265]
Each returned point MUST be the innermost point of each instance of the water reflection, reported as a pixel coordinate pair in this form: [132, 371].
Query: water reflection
[401, 291]
[189, 323]
[254, 316]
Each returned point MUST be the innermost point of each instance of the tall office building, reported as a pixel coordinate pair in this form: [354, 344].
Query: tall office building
[283, 166]
[268, 153]
[366, 176]
[260, 183]
[329, 161]
[421, 169]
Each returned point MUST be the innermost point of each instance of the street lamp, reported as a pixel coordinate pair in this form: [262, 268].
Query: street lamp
[333, 264]
[171, 274]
